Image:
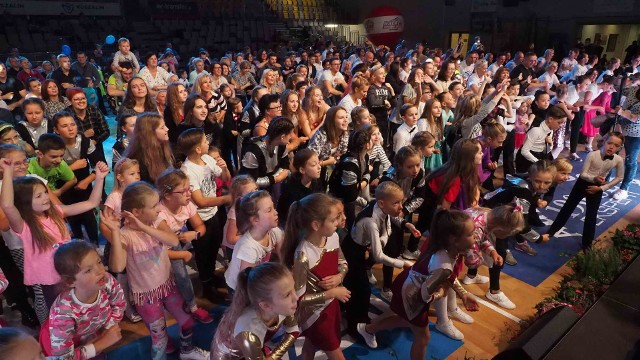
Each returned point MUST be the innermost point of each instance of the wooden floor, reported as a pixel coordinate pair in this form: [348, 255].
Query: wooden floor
[492, 331]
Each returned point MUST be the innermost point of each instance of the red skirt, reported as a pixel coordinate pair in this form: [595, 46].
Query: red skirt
[397, 305]
[520, 139]
[324, 334]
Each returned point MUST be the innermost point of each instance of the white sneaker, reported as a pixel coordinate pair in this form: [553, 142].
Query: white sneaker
[195, 354]
[372, 279]
[191, 271]
[386, 294]
[621, 194]
[478, 279]
[450, 330]
[574, 157]
[460, 315]
[501, 299]
[411, 255]
[370, 339]
[133, 316]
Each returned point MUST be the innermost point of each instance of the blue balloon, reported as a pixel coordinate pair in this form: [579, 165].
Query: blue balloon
[66, 49]
[110, 39]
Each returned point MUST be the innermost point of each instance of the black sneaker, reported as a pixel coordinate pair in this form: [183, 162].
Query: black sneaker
[29, 319]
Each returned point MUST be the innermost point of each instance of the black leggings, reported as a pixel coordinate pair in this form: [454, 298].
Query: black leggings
[578, 193]
[576, 125]
[494, 272]
[357, 281]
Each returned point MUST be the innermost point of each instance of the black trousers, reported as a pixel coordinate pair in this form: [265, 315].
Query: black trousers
[350, 213]
[16, 293]
[356, 280]
[578, 193]
[576, 125]
[206, 249]
[393, 249]
[384, 126]
[507, 149]
[88, 219]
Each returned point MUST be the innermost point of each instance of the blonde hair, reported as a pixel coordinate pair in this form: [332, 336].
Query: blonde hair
[247, 207]
[466, 107]
[357, 113]
[237, 183]
[197, 84]
[563, 164]
[388, 189]
[507, 218]
[121, 166]
[136, 194]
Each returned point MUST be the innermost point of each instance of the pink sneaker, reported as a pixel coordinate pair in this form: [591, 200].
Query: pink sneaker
[202, 316]
[171, 348]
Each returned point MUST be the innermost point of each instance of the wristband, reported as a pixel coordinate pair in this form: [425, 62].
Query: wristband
[197, 235]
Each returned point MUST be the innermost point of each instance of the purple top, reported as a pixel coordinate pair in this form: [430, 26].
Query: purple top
[483, 169]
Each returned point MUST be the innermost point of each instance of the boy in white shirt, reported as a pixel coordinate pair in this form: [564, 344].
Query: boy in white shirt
[202, 171]
[407, 130]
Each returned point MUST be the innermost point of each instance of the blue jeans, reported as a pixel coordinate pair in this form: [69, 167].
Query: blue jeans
[183, 282]
[631, 150]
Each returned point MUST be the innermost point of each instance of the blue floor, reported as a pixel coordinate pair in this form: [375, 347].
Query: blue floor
[551, 256]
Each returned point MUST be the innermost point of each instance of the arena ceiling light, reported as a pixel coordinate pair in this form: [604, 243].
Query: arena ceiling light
[331, 25]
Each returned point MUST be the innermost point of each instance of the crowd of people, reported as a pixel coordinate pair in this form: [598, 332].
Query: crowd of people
[304, 171]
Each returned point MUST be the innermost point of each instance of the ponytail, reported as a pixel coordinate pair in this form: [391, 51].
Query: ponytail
[445, 226]
[302, 213]
[253, 286]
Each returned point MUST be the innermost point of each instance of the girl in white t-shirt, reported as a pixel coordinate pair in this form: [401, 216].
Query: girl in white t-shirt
[176, 209]
[125, 172]
[257, 219]
[240, 186]
[202, 171]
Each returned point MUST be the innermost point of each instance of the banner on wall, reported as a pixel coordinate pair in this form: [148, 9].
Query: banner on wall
[57, 8]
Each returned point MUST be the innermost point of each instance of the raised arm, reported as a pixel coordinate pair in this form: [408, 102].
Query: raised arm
[101, 171]
[6, 197]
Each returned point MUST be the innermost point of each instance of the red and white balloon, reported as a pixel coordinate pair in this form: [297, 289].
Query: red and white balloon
[384, 26]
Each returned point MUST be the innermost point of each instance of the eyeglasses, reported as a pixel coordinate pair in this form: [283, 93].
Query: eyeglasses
[275, 108]
[24, 162]
[185, 191]
[80, 99]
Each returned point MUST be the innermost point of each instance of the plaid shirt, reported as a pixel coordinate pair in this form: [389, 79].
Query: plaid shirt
[93, 120]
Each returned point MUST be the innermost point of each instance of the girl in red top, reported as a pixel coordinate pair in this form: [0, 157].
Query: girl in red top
[312, 248]
[456, 184]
